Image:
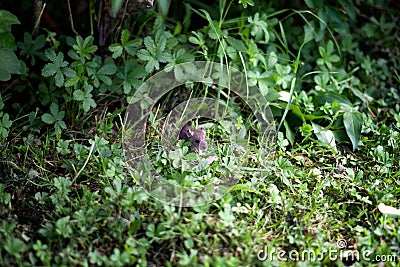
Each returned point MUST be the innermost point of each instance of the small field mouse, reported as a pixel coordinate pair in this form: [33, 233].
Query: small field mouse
[196, 137]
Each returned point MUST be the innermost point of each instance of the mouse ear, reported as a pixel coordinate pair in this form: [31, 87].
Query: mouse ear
[203, 130]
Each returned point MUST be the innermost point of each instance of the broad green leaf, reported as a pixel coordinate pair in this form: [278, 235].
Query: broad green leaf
[297, 111]
[353, 121]
[289, 133]
[14, 246]
[324, 135]
[7, 40]
[321, 98]
[116, 6]
[7, 18]
[9, 64]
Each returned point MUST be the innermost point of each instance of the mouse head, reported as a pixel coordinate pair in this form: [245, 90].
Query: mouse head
[196, 137]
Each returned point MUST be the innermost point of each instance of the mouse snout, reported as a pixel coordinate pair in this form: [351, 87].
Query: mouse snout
[203, 145]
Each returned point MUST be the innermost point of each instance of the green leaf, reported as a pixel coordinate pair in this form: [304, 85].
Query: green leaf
[125, 36]
[7, 40]
[297, 111]
[6, 20]
[246, 2]
[289, 133]
[324, 135]
[5, 124]
[48, 118]
[79, 95]
[85, 47]
[9, 64]
[1, 103]
[116, 49]
[71, 82]
[54, 110]
[131, 46]
[149, 43]
[14, 246]
[108, 69]
[237, 44]
[116, 6]
[85, 97]
[353, 121]
[321, 98]
[244, 188]
[49, 70]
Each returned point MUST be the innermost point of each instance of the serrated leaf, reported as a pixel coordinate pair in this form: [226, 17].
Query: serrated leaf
[6, 123]
[107, 80]
[161, 43]
[182, 56]
[71, 82]
[125, 36]
[108, 69]
[49, 70]
[62, 123]
[149, 43]
[164, 57]
[54, 109]
[152, 64]
[353, 121]
[116, 49]
[68, 72]
[237, 44]
[88, 103]
[48, 118]
[131, 46]
[272, 59]
[144, 55]
[59, 79]
[79, 95]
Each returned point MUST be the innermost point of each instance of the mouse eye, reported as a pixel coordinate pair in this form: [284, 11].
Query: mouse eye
[197, 141]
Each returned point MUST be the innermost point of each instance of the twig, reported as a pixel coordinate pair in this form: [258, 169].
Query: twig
[70, 18]
[38, 5]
